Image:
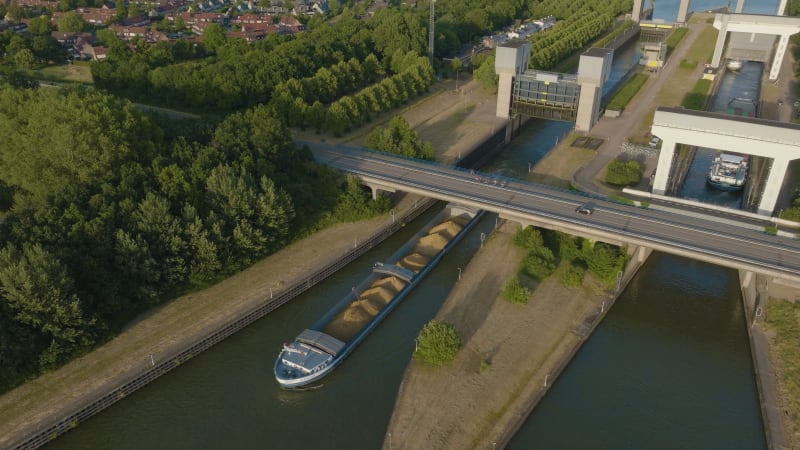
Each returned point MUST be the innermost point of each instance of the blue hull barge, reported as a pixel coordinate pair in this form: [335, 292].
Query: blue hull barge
[319, 349]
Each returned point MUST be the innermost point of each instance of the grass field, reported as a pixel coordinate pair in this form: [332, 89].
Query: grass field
[783, 319]
[67, 73]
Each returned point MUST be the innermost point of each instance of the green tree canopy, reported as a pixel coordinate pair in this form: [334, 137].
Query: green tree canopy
[438, 343]
[71, 22]
[398, 138]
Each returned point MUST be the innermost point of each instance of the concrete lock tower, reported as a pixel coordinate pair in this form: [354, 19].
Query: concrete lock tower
[511, 60]
[593, 71]
[521, 91]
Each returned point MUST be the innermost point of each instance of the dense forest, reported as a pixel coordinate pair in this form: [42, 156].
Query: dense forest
[112, 210]
[106, 211]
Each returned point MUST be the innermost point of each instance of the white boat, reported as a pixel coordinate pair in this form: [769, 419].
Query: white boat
[319, 349]
[734, 64]
[728, 172]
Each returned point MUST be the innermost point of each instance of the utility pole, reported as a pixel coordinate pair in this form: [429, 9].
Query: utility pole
[430, 33]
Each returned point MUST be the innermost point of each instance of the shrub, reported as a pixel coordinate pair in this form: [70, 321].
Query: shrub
[696, 99]
[621, 199]
[437, 344]
[792, 213]
[604, 260]
[623, 173]
[515, 292]
[573, 276]
[539, 265]
[675, 37]
[529, 238]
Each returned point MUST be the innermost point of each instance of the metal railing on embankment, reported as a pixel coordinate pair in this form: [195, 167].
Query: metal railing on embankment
[53, 428]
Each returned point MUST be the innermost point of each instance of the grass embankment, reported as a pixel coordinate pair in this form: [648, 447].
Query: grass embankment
[696, 98]
[674, 39]
[627, 92]
[783, 319]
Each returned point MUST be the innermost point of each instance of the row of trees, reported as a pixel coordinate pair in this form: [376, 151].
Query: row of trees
[574, 32]
[238, 74]
[110, 212]
[351, 111]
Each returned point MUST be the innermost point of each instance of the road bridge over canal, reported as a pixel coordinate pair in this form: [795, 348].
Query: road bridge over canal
[715, 239]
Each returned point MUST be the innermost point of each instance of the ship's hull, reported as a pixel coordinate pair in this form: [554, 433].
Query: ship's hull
[722, 186]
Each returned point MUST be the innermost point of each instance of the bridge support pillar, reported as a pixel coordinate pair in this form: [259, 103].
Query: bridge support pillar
[683, 11]
[751, 293]
[376, 188]
[665, 157]
[739, 6]
[780, 51]
[636, 14]
[773, 185]
[722, 26]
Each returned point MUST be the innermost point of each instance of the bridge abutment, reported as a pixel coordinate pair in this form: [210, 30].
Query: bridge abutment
[377, 188]
[639, 253]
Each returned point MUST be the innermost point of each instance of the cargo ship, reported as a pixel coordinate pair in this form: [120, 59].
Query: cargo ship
[316, 351]
[728, 172]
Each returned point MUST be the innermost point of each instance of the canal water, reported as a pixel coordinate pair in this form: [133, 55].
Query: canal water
[737, 94]
[669, 367]
[667, 10]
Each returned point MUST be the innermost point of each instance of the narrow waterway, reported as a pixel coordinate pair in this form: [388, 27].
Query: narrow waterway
[737, 94]
[669, 367]
[667, 10]
[227, 397]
